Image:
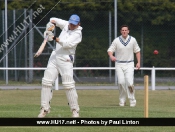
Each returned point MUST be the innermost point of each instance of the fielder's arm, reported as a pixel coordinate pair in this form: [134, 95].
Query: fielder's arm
[40, 50]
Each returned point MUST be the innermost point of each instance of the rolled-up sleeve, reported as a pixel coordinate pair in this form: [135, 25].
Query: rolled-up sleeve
[136, 47]
[112, 47]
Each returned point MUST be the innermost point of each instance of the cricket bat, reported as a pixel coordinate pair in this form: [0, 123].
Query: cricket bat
[40, 50]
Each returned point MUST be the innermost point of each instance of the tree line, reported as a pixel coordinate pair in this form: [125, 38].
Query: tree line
[153, 19]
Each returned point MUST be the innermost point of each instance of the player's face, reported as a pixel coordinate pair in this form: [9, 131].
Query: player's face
[124, 31]
[72, 27]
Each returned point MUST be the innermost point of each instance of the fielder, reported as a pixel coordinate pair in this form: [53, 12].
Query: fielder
[125, 46]
[61, 62]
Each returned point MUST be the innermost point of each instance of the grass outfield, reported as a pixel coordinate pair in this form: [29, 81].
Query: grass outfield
[93, 103]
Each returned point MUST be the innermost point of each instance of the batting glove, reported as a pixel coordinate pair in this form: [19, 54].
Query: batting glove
[50, 35]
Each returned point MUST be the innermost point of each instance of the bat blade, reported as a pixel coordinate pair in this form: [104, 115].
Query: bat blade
[40, 50]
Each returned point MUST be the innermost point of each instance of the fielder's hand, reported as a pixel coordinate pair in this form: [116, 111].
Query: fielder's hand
[112, 58]
[138, 66]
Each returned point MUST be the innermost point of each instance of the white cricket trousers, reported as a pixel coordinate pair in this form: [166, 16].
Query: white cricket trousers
[125, 75]
[59, 65]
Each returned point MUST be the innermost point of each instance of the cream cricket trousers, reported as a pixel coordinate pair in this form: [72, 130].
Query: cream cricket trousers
[125, 75]
[59, 64]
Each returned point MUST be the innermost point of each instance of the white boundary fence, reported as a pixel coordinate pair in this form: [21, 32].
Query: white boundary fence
[153, 72]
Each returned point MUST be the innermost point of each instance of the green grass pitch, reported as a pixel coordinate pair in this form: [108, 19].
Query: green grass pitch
[93, 103]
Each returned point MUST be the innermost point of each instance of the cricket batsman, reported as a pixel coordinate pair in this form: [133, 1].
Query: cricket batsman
[125, 46]
[61, 62]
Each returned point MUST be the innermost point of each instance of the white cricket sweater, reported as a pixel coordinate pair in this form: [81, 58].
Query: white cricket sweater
[125, 48]
[68, 39]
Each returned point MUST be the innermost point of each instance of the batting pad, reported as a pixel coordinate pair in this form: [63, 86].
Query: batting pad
[51, 95]
[47, 82]
[72, 98]
[50, 75]
[68, 82]
[46, 95]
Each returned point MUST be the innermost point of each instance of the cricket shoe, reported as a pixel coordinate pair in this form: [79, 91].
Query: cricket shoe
[43, 113]
[122, 104]
[75, 113]
[132, 103]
